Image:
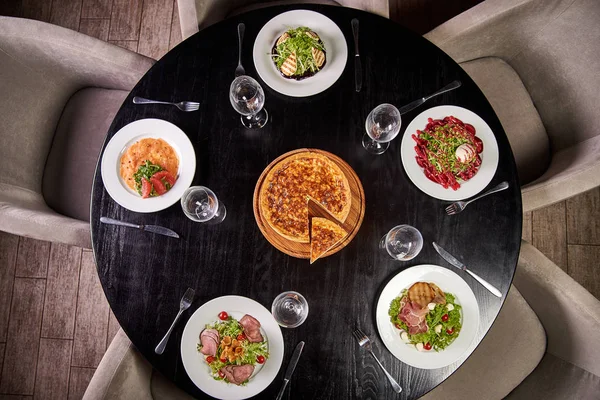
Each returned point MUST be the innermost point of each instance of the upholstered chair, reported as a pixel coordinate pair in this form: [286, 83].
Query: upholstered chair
[198, 14]
[545, 343]
[60, 92]
[537, 63]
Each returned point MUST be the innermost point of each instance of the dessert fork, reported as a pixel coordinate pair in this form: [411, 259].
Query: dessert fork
[364, 341]
[182, 105]
[458, 206]
[184, 304]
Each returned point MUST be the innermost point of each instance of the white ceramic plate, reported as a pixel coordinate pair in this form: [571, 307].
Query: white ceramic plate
[199, 371]
[489, 156]
[335, 48]
[449, 282]
[128, 135]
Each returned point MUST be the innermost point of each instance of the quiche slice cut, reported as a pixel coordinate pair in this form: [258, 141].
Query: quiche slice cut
[324, 235]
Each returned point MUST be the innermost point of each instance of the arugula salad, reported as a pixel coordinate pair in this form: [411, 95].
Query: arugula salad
[299, 53]
[152, 180]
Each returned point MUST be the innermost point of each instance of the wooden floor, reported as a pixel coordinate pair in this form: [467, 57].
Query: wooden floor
[55, 323]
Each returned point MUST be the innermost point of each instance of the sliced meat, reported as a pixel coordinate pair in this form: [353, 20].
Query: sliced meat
[237, 374]
[209, 338]
[414, 316]
[251, 328]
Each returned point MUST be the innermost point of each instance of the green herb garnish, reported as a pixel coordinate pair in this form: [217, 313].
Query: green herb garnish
[145, 171]
[302, 44]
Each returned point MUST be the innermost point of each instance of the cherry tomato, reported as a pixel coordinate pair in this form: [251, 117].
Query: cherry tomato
[210, 359]
[221, 375]
[260, 359]
[241, 336]
[397, 326]
[449, 331]
[223, 359]
[223, 316]
[427, 346]
[445, 317]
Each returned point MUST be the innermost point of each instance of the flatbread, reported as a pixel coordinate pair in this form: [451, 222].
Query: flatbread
[324, 235]
[283, 194]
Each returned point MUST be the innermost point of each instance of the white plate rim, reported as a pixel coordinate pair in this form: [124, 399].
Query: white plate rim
[335, 46]
[194, 363]
[448, 281]
[129, 134]
[489, 156]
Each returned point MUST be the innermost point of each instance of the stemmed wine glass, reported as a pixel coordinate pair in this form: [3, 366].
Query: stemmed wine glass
[248, 98]
[289, 309]
[382, 125]
[200, 204]
[402, 242]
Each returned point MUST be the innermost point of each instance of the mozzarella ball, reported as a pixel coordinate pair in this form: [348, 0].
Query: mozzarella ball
[419, 346]
[465, 153]
[431, 306]
[438, 328]
[404, 336]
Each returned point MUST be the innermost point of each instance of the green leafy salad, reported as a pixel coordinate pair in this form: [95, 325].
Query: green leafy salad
[443, 322]
[299, 53]
[146, 170]
[233, 348]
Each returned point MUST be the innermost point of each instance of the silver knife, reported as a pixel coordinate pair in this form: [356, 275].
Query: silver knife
[448, 257]
[414, 104]
[150, 228]
[357, 65]
[290, 369]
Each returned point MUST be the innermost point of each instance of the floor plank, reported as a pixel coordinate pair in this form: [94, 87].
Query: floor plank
[52, 377]
[155, 28]
[583, 218]
[584, 267]
[14, 397]
[126, 44]
[175, 37]
[79, 381]
[125, 20]
[96, 8]
[97, 28]
[2, 348]
[36, 9]
[32, 259]
[527, 227]
[61, 292]
[550, 233]
[8, 258]
[20, 359]
[91, 321]
[113, 327]
[66, 13]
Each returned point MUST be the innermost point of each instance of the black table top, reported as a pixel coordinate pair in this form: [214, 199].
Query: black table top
[145, 275]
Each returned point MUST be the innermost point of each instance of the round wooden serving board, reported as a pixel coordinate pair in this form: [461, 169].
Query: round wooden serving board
[351, 225]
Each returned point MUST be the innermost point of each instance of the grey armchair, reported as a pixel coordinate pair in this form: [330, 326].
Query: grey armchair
[545, 343]
[537, 63]
[60, 92]
[198, 14]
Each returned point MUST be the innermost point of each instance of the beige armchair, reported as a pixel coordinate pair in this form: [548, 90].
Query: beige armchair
[545, 343]
[537, 63]
[60, 92]
[198, 14]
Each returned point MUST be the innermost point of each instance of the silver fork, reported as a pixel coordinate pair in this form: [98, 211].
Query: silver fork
[184, 304]
[458, 206]
[239, 70]
[182, 105]
[364, 341]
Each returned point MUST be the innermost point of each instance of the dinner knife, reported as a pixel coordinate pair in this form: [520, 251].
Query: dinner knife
[290, 369]
[357, 64]
[448, 257]
[149, 228]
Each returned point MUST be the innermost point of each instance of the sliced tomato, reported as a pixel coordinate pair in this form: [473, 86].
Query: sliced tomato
[146, 188]
[221, 374]
[159, 187]
[210, 359]
[165, 176]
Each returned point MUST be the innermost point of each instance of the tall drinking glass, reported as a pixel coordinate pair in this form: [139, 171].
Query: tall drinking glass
[382, 125]
[248, 98]
[290, 309]
[200, 204]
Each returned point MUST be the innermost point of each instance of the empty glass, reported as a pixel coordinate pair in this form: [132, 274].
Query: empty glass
[382, 125]
[402, 242]
[289, 309]
[248, 98]
[200, 204]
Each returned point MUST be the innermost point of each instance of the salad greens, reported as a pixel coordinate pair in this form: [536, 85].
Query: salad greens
[145, 171]
[438, 341]
[301, 43]
[251, 351]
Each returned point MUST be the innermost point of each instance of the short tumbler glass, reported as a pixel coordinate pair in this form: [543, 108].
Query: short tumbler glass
[290, 309]
[402, 242]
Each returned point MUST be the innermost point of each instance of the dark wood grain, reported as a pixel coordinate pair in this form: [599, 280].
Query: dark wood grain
[8, 256]
[144, 275]
[96, 8]
[53, 368]
[583, 218]
[94, 27]
[125, 20]
[78, 382]
[32, 259]
[155, 29]
[549, 227]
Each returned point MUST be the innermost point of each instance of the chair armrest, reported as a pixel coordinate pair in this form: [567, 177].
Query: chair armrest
[498, 28]
[572, 171]
[23, 212]
[69, 58]
[569, 313]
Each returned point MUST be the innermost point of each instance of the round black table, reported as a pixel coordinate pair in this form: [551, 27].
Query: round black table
[145, 275]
